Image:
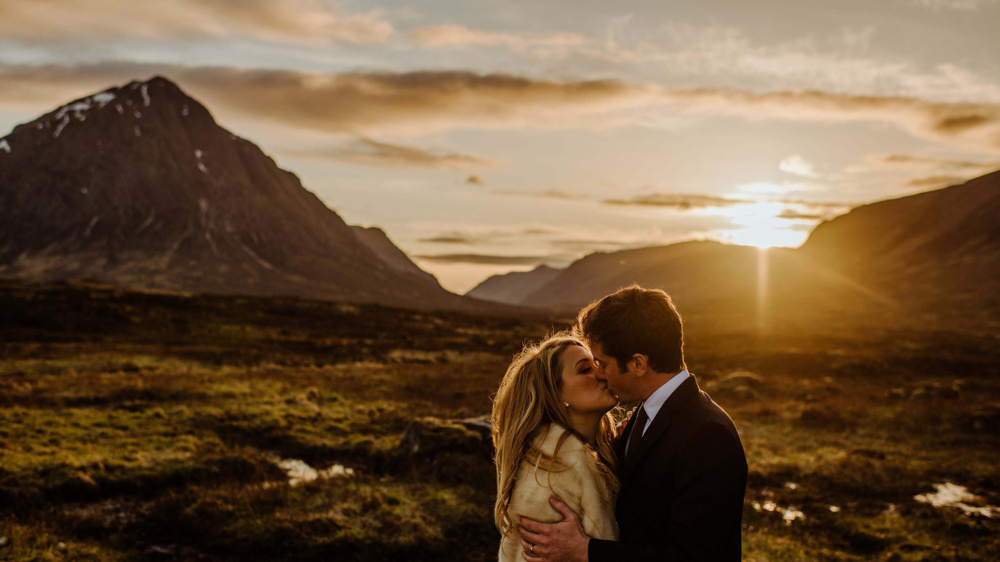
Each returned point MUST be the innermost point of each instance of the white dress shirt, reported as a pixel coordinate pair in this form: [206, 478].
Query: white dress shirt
[659, 397]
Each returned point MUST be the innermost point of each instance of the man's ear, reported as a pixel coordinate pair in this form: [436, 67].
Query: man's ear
[641, 364]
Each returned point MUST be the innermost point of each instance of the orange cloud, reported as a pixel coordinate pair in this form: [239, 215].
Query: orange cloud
[935, 181]
[369, 103]
[460, 36]
[679, 201]
[308, 22]
[370, 152]
[911, 161]
[975, 126]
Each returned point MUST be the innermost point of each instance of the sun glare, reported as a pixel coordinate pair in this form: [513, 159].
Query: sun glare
[764, 237]
[760, 224]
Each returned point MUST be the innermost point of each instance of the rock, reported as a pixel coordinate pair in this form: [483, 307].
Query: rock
[3, 541]
[822, 417]
[896, 394]
[985, 419]
[429, 436]
[736, 387]
[481, 424]
[442, 450]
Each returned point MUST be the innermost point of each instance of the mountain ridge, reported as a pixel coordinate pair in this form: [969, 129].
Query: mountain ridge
[929, 257]
[137, 185]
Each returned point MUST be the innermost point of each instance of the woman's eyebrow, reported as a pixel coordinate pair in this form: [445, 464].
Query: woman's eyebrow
[582, 360]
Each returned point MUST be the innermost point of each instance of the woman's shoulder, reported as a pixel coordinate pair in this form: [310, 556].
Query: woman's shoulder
[548, 438]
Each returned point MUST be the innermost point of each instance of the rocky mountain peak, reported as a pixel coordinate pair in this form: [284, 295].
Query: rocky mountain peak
[137, 185]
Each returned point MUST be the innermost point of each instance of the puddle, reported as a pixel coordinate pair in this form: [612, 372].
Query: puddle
[788, 514]
[299, 472]
[953, 495]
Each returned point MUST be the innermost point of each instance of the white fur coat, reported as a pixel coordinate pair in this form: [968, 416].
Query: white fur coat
[580, 486]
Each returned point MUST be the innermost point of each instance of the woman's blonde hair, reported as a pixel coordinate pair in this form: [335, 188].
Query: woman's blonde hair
[526, 402]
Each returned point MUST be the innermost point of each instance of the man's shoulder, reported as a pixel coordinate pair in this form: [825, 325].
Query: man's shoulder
[703, 415]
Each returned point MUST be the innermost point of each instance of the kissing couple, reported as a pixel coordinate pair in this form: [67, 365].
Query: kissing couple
[665, 484]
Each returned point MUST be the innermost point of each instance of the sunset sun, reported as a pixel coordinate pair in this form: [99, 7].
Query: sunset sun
[762, 224]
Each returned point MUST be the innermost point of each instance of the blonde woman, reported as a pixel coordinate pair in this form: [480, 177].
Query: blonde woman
[552, 431]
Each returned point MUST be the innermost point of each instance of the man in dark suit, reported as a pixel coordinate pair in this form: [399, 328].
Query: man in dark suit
[681, 464]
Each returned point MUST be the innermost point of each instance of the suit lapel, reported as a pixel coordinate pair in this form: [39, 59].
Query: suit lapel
[659, 424]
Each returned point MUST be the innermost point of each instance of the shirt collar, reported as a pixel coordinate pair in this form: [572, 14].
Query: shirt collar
[659, 396]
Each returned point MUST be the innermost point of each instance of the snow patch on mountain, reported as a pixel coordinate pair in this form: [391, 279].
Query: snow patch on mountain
[103, 98]
[201, 166]
[61, 126]
[5, 146]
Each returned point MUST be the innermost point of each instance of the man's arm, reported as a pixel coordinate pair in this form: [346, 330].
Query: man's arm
[564, 541]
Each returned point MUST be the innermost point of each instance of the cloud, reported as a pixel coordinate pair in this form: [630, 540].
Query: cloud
[460, 36]
[413, 102]
[917, 162]
[935, 181]
[975, 126]
[548, 194]
[798, 166]
[588, 246]
[451, 239]
[484, 259]
[836, 62]
[424, 102]
[309, 22]
[558, 45]
[964, 5]
[384, 155]
[679, 201]
[475, 180]
[799, 215]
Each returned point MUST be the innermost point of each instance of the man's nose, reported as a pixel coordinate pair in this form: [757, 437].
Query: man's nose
[599, 374]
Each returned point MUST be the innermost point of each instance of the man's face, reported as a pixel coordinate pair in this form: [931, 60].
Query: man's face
[623, 384]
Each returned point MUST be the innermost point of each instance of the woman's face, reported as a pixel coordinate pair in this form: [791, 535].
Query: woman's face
[580, 387]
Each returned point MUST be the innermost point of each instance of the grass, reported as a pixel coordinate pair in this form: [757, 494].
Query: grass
[140, 426]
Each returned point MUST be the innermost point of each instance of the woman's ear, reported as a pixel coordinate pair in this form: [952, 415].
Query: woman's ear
[641, 364]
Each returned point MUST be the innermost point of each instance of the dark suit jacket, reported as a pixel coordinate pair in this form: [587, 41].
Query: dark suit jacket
[682, 490]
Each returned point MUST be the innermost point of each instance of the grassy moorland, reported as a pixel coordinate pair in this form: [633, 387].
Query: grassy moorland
[140, 426]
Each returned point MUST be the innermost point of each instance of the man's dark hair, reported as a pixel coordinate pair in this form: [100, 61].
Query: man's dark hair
[635, 320]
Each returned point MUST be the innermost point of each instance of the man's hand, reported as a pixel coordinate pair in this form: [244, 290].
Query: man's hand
[564, 541]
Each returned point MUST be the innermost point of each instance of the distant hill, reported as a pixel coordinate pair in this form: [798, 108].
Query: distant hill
[514, 287]
[138, 186]
[931, 257]
[692, 270]
[933, 243]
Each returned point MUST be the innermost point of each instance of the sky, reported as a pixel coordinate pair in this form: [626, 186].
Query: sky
[487, 137]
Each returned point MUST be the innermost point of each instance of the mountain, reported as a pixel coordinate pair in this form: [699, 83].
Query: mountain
[513, 287]
[692, 271]
[139, 186]
[936, 241]
[378, 241]
[931, 258]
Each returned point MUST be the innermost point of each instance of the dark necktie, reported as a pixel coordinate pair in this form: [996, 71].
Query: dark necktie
[636, 435]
